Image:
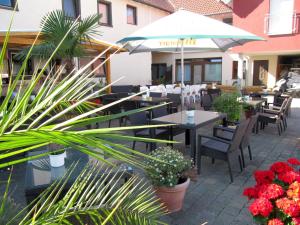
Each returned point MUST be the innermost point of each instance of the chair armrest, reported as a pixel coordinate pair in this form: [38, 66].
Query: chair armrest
[200, 136]
[271, 111]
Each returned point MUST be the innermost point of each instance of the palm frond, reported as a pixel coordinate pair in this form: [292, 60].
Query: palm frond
[98, 196]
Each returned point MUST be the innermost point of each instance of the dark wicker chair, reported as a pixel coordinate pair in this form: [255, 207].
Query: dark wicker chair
[140, 118]
[206, 102]
[218, 148]
[227, 134]
[155, 94]
[176, 101]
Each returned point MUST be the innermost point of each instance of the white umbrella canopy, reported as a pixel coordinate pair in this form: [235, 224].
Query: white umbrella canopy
[186, 31]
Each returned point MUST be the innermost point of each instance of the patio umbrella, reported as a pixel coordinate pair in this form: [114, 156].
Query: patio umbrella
[186, 31]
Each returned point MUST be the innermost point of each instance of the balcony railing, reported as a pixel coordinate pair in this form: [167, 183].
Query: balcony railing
[280, 24]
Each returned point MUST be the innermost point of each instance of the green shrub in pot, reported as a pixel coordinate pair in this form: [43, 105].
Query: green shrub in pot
[228, 103]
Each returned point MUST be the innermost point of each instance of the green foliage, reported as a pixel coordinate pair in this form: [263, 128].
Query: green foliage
[56, 26]
[247, 107]
[228, 103]
[166, 166]
[94, 198]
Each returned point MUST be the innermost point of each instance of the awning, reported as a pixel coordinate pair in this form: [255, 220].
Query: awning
[26, 38]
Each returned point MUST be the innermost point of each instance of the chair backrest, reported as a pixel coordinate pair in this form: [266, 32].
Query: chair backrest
[159, 112]
[238, 135]
[144, 88]
[214, 91]
[284, 105]
[121, 88]
[114, 109]
[177, 90]
[175, 99]
[129, 105]
[138, 118]
[206, 101]
[246, 138]
[155, 94]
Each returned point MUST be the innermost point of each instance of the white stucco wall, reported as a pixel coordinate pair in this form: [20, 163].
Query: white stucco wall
[227, 60]
[136, 68]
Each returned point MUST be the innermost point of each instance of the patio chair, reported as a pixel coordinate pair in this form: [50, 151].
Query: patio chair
[227, 134]
[206, 102]
[155, 94]
[121, 88]
[214, 91]
[140, 118]
[218, 148]
[266, 118]
[176, 101]
[114, 109]
[280, 111]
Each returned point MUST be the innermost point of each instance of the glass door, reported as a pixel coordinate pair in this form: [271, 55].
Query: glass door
[197, 73]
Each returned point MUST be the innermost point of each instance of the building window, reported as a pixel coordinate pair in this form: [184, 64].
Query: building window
[7, 3]
[71, 8]
[281, 18]
[104, 10]
[187, 73]
[131, 15]
[205, 70]
[15, 65]
[213, 71]
[227, 20]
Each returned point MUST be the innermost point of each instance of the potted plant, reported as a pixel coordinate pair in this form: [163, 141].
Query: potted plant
[57, 155]
[248, 110]
[170, 173]
[276, 196]
[228, 103]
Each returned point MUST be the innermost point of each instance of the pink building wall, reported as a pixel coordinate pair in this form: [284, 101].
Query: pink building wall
[250, 15]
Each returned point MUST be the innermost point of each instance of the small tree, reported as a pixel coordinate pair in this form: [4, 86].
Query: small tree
[55, 27]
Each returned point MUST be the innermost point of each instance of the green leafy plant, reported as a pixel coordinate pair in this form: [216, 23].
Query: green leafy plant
[167, 167]
[94, 198]
[247, 107]
[56, 26]
[228, 103]
[30, 123]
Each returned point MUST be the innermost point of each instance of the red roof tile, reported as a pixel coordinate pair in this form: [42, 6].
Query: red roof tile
[204, 7]
[160, 4]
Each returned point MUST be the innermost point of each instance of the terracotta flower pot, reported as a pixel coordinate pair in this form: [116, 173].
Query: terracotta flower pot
[172, 197]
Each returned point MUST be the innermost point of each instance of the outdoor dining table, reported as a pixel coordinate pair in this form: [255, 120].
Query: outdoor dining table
[191, 124]
[257, 103]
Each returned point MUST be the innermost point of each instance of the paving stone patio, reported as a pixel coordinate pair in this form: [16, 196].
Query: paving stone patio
[213, 199]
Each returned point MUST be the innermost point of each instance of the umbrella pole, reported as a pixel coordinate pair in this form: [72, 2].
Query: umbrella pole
[182, 74]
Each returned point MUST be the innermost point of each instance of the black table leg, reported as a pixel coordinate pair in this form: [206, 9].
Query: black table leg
[187, 137]
[193, 143]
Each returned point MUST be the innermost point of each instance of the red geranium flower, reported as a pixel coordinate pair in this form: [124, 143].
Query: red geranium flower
[294, 161]
[275, 222]
[288, 177]
[261, 206]
[281, 167]
[270, 191]
[296, 221]
[294, 190]
[250, 192]
[264, 176]
[288, 206]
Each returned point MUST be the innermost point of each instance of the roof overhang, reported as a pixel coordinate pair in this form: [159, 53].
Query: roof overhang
[27, 38]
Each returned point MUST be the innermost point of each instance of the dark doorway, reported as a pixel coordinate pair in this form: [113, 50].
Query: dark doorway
[260, 72]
